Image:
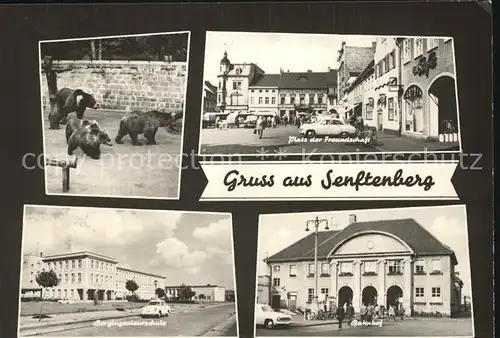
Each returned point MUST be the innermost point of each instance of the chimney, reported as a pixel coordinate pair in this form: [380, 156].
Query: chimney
[309, 71]
[41, 254]
[374, 45]
[329, 69]
[352, 218]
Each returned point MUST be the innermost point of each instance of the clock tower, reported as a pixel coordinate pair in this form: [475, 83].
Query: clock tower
[225, 67]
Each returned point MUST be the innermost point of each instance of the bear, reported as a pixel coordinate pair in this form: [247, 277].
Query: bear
[89, 140]
[66, 101]
[76, 123]
[147, 123]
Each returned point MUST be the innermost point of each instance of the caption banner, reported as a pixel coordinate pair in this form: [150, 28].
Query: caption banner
[328, 181]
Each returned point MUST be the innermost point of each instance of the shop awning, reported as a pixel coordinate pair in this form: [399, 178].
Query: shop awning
[263, 113]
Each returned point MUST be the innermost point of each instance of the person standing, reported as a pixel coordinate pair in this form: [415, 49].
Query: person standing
[362, 312]
[401, 311]
[340, 316]
[350, 313]
[369, 313]
[260, 126]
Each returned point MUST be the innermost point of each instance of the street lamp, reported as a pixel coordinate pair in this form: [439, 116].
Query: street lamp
[316, 222]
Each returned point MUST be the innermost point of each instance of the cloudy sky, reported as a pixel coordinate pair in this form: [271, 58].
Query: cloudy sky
[190, 248]
[271, 51]
[447, 224]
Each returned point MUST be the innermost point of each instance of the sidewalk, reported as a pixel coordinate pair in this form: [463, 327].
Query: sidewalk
[299, 321]
[393, 143]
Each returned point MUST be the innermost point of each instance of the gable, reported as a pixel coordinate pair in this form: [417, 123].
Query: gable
[371, 243]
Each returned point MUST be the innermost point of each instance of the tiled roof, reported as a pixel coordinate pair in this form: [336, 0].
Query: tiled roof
[307, 80]
[408, 230]
[211, 86]
[266, 80]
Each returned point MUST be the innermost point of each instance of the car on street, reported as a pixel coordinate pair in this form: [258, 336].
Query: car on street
[250, 121]
[65, 301]
[156, 308]
[266, 316]
[327, 126]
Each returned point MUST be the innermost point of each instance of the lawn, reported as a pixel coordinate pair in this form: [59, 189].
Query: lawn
[32, 308]
[124, 170]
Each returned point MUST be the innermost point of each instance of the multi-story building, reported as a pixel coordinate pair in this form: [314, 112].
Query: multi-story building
[147, 282]
[428, 80]
[264, 95]
[32, 265]
[263, 289]
[212, 293]
[234, 83]
[304, 93]
[358, 103]
[83, 276]
[382, 262]
[387, 104]
[352, 61]
[332, 95]
[210, 97]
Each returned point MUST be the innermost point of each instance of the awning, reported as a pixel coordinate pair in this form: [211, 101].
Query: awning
[264, 113]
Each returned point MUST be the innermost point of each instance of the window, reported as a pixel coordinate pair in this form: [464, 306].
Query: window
[420, 266]
[292, 100]
[273, 100]
[390, 105]
[66, 278]
[346, 267]
[370, 266]
[79, 277]
[282, 100]
[419, 292]
[266, 100]
[325, 268]
[418, 47]
[276, 268]
[369, 109]
[436, 293]
[66, 265]
[386, 64]
[332, 100]
[237, 85]
[302, 100]
[276, 282]
[436, 265]
[60, 265]
[406, 51]
[59, 276]
[238, 71]
[310, 270]
[72, 278]
[432, 43]
[293, 270]
[252, 100]
[260, 100]
[92, 278]
[92, 263]
[310, 295]
[392, 60]
[395, 267]
[79, 263]
[320, 99]
[72, 293]
[324, 294]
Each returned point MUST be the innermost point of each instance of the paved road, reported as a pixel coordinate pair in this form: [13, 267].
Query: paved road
[123, 170]
[275, 140]
[408, 328]
[192, 322]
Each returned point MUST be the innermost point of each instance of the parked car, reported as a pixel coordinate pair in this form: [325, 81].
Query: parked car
[156, 308]
[266, 316]
[66, 301]
[327, 126]
[250, 121]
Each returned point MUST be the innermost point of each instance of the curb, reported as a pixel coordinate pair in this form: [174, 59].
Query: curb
[75, 322]
[220, 328]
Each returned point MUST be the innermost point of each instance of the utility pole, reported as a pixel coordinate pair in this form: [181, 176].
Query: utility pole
[316, 222]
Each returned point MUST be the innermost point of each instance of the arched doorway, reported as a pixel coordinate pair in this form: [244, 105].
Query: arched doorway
[369, 295]
[394, 294]
[443, 104]
[414, 117]
[345, 295]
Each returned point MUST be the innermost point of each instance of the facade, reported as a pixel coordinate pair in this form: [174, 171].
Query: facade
[307, 92]
[32, 265]
[209, 98]
[352, 61]
[82, 276]
[263, 289]
[211, 293]
[386, 96]
[234, 83]
[377, 262]
[147, 282]
[358, 97]
[264, 95]
[429, 102]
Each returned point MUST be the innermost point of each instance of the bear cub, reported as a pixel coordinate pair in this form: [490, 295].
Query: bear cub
[88, 136]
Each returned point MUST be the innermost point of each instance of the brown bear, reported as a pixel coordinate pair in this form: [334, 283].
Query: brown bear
[76, 123]
[147, 123]
[89, 140]
[66, 101]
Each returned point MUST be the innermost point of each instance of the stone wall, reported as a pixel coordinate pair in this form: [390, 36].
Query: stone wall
[124, 84]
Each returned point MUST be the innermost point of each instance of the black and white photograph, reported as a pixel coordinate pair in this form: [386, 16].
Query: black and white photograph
[112, 112]
[268, 94]
[146, 273]
[401, 272]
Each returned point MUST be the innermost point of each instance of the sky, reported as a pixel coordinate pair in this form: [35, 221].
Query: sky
[189, 248]
[272, 51]
[447, 224]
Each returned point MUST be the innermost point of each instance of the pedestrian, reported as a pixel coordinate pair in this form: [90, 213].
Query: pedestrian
[391, 313]
[401, 311]
[369, 313]
[260, 126]
[362, 312]
[340, 316]
[217, 122]
[350, 313]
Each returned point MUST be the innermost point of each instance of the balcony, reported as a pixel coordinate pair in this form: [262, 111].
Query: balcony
[311, 275]
[394, 273]
[420, 273]
[370, 273]
[435, 273]
[345, 274]
[325, 275]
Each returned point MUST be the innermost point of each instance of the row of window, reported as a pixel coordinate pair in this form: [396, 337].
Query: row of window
[393, 266]
[78, 264]
[263, 90]
[263, 100]
[413, 48]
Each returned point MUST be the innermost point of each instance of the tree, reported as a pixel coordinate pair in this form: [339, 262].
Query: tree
[185, 292]
[131, 286]
[160, 292]
[46, 279]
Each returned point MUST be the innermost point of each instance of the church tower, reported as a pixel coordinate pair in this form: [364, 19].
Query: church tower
[225, 67]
